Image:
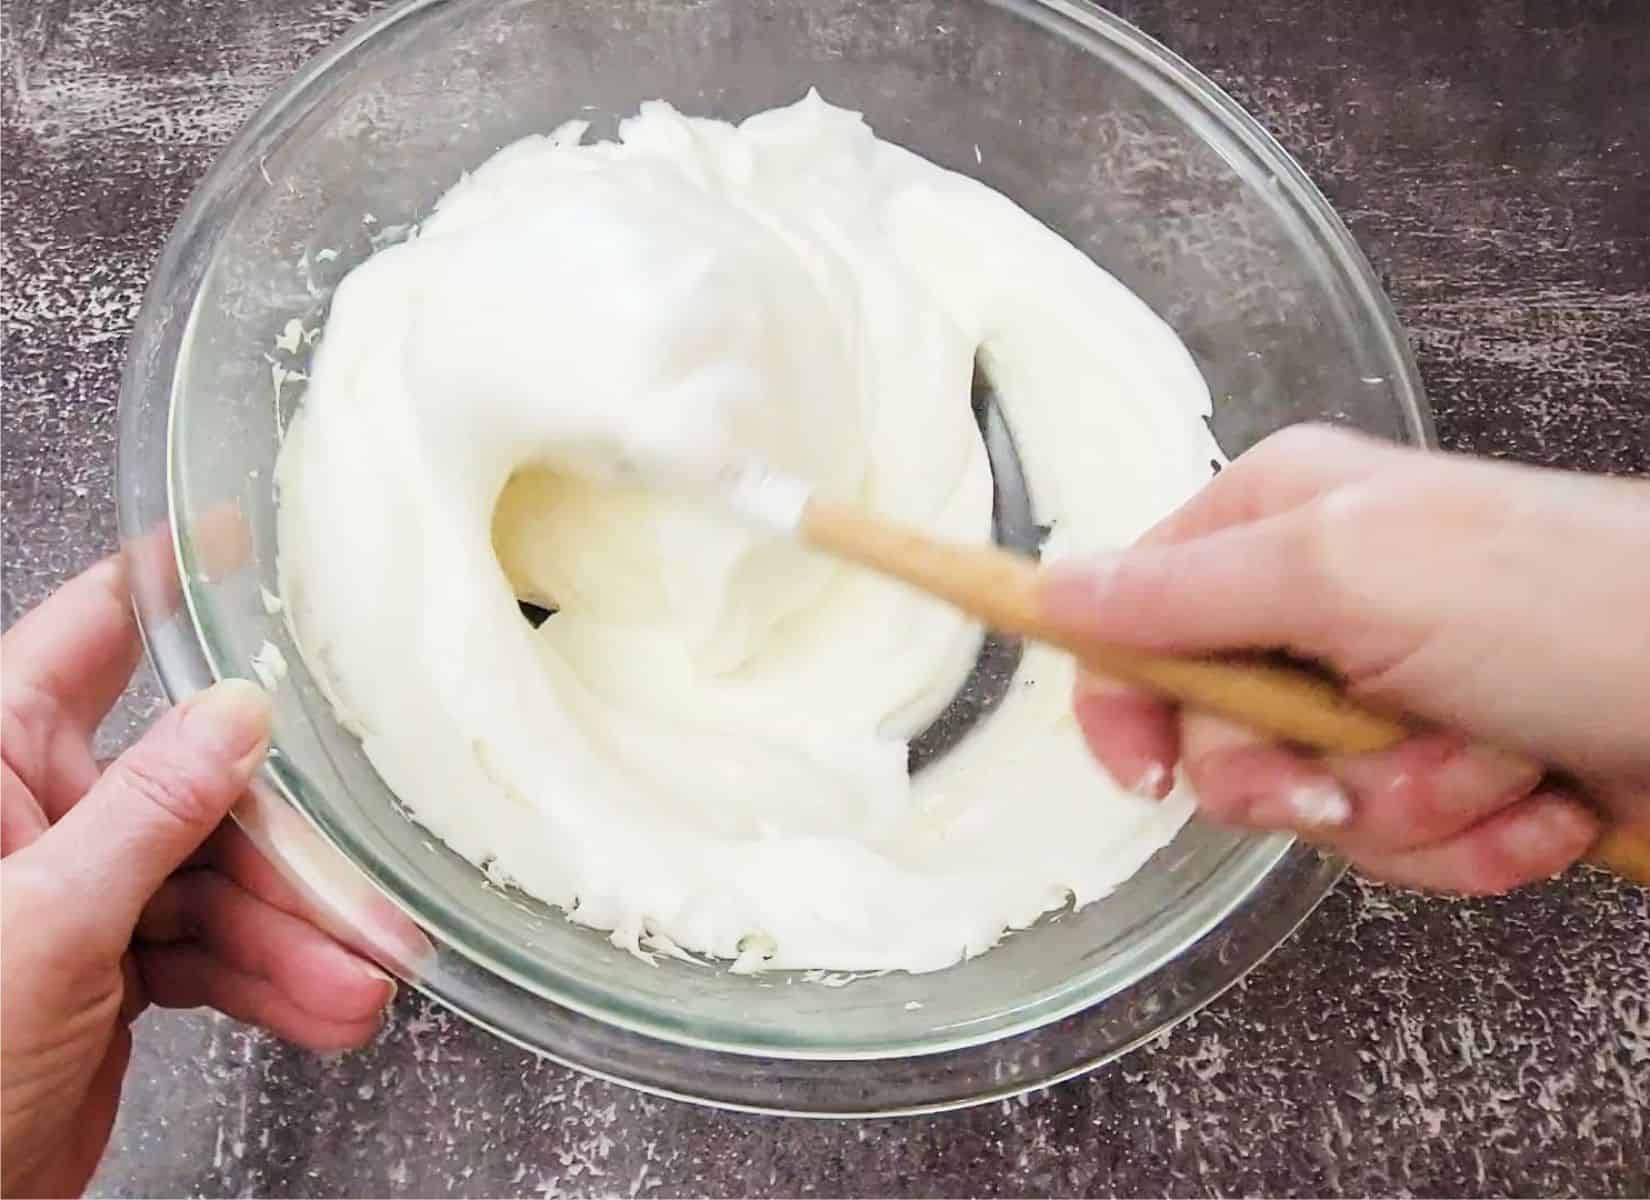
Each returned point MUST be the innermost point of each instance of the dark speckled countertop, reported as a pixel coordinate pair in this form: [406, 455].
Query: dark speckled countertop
[1492, 157]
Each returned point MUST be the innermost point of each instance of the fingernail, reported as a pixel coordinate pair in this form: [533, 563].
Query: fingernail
[1319, 806]
[345, 959]
[393, 938]
[1125, 739]
[1557, 827]
[1307, 807]
[1155, 782]
[229, 722]
[1476, 771]
[375, 972]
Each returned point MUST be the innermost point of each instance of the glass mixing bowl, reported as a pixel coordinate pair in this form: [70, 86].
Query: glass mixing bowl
[1126, 150]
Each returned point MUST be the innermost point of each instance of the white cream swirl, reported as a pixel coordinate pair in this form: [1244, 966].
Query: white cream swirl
[707, 743]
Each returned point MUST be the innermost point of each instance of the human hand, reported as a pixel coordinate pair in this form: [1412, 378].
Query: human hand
[1506, 604]
[125, 888]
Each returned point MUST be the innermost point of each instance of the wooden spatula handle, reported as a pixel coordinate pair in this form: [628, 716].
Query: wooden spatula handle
[1624, 853]
[1003, 589]
[1288, 703]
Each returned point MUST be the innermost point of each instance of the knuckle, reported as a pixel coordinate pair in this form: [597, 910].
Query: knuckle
[33, 897]
[30, 889]
[1221, 796]
[167, 789]
[1137, 585]
[1327, 523]
[28, 714]
[1324, 531]
[1294, 442]
[1132, 590]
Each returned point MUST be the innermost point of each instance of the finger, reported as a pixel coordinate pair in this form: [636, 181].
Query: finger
[1280, 473]
[59, 768]
[363, 921]
[66, 663]
[232, 853]
[1534, 839]
[1241, 780]
[254, 938]
[75, 652]
[21, 818]
[220, 544]
[155, 805]
[1135, 736]
[184, 975]
[1257, 585]
[1427, 790]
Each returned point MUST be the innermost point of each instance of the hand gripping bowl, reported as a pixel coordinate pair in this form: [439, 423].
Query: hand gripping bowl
[1132, 155]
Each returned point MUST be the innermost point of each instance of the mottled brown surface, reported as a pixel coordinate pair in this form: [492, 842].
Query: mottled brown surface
[1492, 157]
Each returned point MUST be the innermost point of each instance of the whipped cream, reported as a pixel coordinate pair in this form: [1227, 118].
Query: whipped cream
[705, 746]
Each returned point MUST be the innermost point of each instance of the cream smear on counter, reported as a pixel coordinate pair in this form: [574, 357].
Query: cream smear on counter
[706, 745]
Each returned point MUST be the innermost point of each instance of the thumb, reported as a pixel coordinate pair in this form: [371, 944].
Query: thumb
[1257, 586]
[159, 801]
